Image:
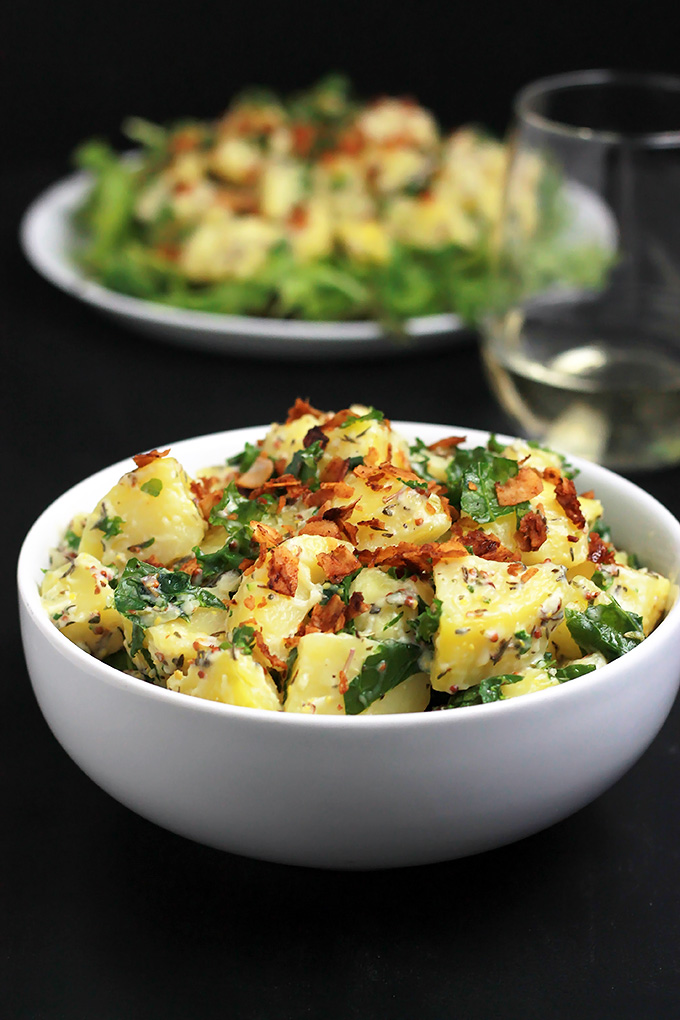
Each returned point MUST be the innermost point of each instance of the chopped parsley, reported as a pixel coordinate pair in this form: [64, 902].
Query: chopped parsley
[488, 690]
[72, 540]
[109, 526]
[426, 624]
[235, 513]
[305, 464]
[153, 487]
[371, 415]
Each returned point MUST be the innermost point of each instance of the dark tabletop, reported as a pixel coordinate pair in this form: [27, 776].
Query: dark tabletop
[104, 916]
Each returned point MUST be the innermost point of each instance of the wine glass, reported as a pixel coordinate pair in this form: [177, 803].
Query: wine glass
[582, 347]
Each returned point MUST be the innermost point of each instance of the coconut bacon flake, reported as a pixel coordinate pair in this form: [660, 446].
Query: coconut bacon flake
[565, 494]
[532, 531]
[526, 484]
[338, 563]
[142, 459]
[283, 571]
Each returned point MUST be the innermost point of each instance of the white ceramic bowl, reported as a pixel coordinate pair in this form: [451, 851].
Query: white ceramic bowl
[352, 792]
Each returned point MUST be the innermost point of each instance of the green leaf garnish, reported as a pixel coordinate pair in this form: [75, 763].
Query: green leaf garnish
[605, 628]
[153, 487]
[109, 526]
[371, 415]
[382, 670]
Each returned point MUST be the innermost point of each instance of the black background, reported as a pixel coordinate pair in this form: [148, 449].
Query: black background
[103, 915]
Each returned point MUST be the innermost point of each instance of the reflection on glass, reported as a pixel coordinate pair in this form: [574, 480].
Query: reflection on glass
[583, 349]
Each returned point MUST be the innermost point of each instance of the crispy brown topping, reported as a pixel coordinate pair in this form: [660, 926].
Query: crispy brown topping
[524, 485]
[335, 470]
[300, 408]
[142, 459]
[328, 491]
[599, 551]
[552, 475]
[329, 618]
[532, 531]
[265, 657]
[207, 493]
[414, 558]
[283, 571]
[487, 546]
[338, 563]
[315, 435]
[445, 445]
[565, 494]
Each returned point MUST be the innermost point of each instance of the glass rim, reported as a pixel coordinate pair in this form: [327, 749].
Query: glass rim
[555, 83]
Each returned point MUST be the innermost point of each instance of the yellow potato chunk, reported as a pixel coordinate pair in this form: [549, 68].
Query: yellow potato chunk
[394, 513]
[78, 597]
[327, 663]
[277, 615]
[359, 438]
[393, 604]
[150, 503]
[283, 440]
[638, 591]
[496, 617]
[231, 677]
[176, 644]
[541, 676]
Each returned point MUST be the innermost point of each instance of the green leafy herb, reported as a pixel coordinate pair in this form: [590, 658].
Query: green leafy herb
[488, 690]
[522, 641]
[426, 624]
[72, 540]
[493, 445]
[570, 672]
[413, 484]
[602, 580]
[480, 501]
[143, 587]
[243, 638]
[235, 513]
[109, 526]
[342, 588]
[141, 545]
[605, 628]
[245, 459]
[387, 667]
[305, 464]
[371, 415]
[153, 487]
[393, 621]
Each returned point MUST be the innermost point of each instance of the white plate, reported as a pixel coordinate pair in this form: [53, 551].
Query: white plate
[48, 239]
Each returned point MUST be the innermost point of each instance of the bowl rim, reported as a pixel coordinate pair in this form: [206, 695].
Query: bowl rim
[29, 599]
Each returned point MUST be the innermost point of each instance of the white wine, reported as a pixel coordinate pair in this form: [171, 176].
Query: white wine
[615, 404]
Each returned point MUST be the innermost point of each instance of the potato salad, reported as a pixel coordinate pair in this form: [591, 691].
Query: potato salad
[315, 207]
[333, 568]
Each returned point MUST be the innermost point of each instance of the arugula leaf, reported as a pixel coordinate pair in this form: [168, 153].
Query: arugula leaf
[245, 459]
[523, 641]
[235, 513]
[371, 415]
[304, 464]
[109, 526]
[483, 693]
[153, 487]
[391, 664]
[472, 476]
[143, 587]
[602, 580]
[575, 669]
[605, 628]
[426, 624]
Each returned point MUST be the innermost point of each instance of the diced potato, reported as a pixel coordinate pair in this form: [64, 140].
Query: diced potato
[395, 512]
[276, 615]
[149, 510]
[282, 440]
[233, 679]
[496, 617]
[541, 676]
[637, 591]
[177, 644]
[582, 593]
[360, 438]
[392, 604]
[317, 685]
[79, 600]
